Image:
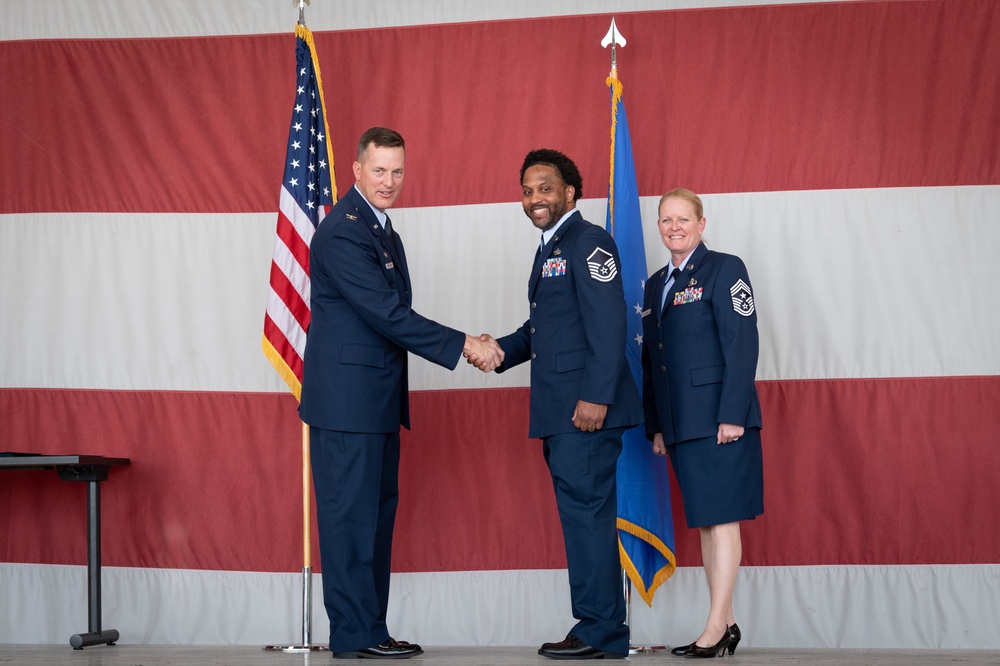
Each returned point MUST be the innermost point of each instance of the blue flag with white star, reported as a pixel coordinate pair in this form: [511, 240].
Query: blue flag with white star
[645, 520]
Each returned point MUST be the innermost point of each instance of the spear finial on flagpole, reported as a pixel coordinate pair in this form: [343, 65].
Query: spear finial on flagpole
[613, 38]
[301, 4]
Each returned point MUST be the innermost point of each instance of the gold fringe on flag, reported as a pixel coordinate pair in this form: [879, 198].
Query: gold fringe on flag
[661, 576]
[616, 95]
[283, 370]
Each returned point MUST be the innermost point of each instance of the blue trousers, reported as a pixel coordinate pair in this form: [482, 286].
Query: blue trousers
[583, 466]
[356, 479]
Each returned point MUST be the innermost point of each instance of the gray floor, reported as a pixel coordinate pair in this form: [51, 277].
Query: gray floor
[157, 655]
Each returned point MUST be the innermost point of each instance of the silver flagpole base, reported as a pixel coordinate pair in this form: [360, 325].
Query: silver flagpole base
[295, 648]
[645, 649]
[635, 649]
[306, 617]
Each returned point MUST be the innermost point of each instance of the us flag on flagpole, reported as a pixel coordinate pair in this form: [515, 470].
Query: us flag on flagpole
[308, 191]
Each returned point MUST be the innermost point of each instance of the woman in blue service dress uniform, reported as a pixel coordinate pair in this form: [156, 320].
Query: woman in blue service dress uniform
[699, 360]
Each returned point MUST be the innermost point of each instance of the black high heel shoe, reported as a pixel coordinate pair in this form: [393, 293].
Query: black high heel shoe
[682, 650]
[717, 650]
[734, 632]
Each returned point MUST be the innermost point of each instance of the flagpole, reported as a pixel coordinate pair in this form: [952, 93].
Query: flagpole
[627, 591]
[614, 38]
[306, 544]
[306, 644]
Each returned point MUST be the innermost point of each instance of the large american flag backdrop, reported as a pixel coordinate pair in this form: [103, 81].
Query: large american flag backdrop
[849, 152]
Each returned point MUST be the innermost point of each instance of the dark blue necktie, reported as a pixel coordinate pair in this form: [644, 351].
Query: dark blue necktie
[671, 280]
[392, 238]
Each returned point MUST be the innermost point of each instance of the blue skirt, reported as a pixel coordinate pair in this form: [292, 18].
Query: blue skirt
[720, 483]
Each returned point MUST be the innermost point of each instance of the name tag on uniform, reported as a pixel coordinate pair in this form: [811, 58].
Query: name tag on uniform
[389, 266]
[554, 267]
[689, 295]
[645, 313]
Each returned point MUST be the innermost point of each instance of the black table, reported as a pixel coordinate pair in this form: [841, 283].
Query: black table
[92, 469]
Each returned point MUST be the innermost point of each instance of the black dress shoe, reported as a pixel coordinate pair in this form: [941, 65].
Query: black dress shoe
[573, 648]
[734, 631]
[390, 649]
[682, 650]
[717, 650]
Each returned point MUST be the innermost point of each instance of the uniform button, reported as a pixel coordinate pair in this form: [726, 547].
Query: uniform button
[532, 329]
[534, 305]
[663, 368]
[532, 356]
[660, 345]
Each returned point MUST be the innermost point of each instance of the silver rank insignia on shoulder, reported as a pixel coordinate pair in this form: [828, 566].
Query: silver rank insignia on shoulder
[602, 265]
[350, 217]
[742, 298]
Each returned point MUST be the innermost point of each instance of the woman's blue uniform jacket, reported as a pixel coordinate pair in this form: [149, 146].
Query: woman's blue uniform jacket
[699, 357]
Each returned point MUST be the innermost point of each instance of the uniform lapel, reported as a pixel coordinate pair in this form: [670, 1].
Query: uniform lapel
[657, 295]
[395, 247]
[389, 252]
[536, 270]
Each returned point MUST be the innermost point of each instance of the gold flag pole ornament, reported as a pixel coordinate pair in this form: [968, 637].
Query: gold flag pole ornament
[615, 39]
[306, 644]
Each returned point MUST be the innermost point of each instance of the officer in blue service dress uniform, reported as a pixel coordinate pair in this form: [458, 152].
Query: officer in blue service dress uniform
[583, 396]
[354, 394]
[699, 360]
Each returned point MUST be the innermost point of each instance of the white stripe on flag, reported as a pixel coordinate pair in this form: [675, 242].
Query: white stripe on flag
[286, 323]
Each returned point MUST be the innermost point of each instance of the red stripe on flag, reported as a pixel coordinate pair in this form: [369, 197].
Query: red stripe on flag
[293, 241]
[281, 344]
[290, 297]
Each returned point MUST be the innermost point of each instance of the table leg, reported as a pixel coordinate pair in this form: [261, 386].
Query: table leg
[94, 635]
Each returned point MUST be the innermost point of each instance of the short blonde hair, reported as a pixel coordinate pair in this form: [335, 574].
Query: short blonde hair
[687, 195]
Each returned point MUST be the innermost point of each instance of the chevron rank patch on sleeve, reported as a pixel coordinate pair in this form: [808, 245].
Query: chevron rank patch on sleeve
[602, 265]
[742, 298]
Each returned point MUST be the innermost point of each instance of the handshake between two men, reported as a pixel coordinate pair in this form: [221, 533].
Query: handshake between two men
[483, 352]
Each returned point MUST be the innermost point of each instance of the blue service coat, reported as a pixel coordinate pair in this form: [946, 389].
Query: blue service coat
[354, 377]
[699, 357]
[575, 336]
